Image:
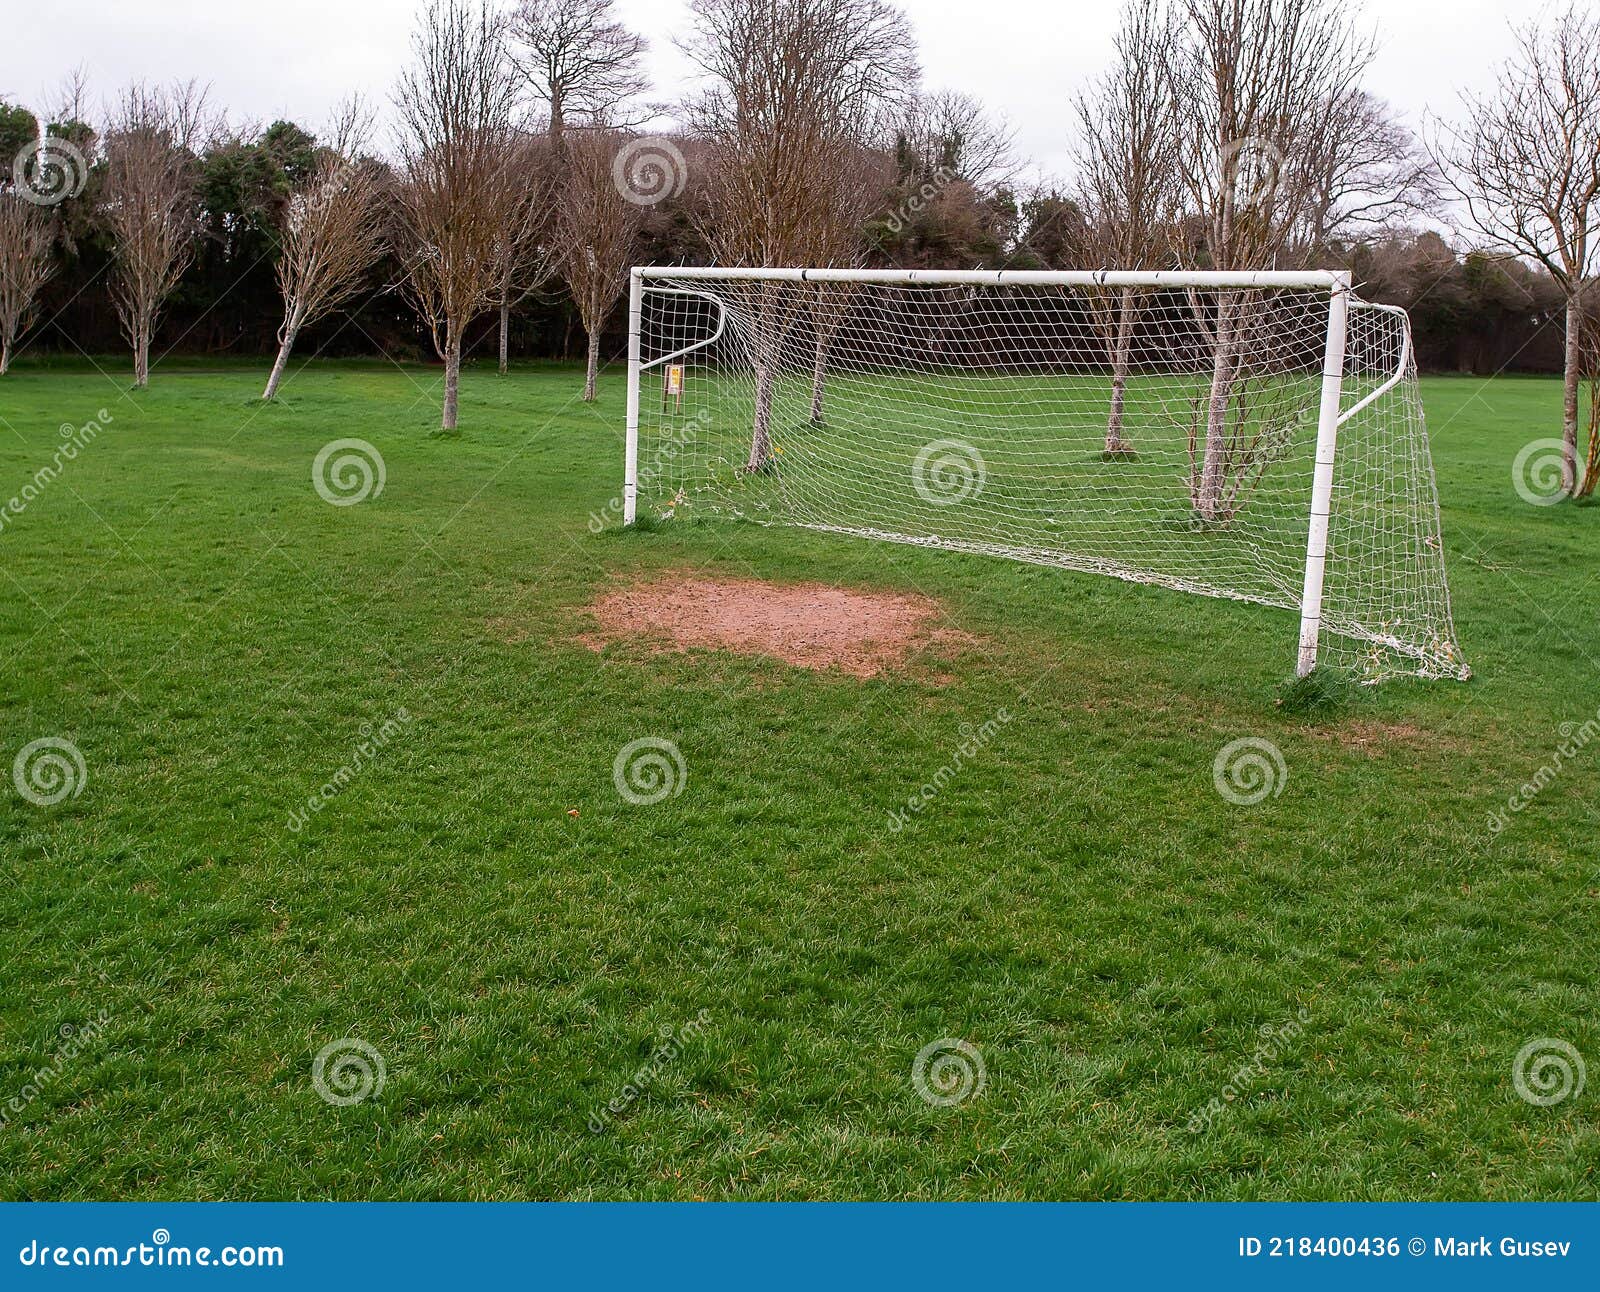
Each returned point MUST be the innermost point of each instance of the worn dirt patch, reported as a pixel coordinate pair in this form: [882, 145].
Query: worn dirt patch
[809, 625]
[1372, 738]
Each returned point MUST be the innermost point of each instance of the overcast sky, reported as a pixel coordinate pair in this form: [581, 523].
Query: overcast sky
[296, 58]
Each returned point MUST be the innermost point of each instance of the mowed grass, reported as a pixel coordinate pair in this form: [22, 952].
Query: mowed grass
[481, 906]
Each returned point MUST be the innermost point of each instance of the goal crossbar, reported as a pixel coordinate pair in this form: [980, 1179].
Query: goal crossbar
[1209, 280]
[1023, 362]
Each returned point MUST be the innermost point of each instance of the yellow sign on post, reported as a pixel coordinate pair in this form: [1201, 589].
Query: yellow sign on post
[672, 384]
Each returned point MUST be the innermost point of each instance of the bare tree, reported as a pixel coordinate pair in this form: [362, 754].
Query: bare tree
[71, 100]
[598, 225]
[460, 188]
[951, 135]
[528, 242]
[1259, 82]
[847, 195]
[149, 203]
[1526, 164]
[196, 122]
[1371, 175]
[25, 266]
[1128, 186]
[578, 59]
[334, 230]
[794, 88]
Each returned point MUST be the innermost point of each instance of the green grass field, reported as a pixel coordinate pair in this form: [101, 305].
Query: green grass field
[478, 904]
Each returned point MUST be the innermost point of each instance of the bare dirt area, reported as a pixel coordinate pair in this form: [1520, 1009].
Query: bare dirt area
[1375, 738]
[810, 625]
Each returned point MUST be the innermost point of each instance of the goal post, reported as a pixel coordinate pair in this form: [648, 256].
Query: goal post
[630, 472]
[1256, 436]
[1322, 476]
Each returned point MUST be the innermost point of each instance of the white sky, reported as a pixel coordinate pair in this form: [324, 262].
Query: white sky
[1023, 58]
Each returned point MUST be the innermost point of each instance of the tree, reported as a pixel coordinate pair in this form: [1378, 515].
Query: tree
[149, 204]
[794, 89]
[335, 228]
[1589, 362]
[246, 178]
[1526, 163]
[1372, 174]
[1127, 158]
[1053, 232]
[597, 226]
[581, 62]
[950, 135]
[847, 194]
[1258, 83]
[947, 204]
[460, 188]
[19, 133]
[25, 244]
[77, 215]
[527, 244]
[25, 231]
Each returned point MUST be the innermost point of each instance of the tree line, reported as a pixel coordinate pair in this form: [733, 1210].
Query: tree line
[501, 211]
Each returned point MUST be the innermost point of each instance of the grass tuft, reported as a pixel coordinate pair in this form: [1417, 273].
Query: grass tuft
[1323, 692]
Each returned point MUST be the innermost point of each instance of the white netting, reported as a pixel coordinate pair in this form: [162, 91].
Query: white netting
[1156, 434]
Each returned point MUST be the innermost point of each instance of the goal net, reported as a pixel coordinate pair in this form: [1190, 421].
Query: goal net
[1159, 427]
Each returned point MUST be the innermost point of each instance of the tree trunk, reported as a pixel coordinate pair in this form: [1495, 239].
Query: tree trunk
[819, 372]
[1571, 368]
[1591, 466]
[505, 325]
[141, 356]
[593, 371]
[5, 355]
[452, 376]
[1209, 496]
[291, 329]
[1120, 356]
[761, 432]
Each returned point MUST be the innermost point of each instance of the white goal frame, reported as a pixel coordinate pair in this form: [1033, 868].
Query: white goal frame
[1336, 283]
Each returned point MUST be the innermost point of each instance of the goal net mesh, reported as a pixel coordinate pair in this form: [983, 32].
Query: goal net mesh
[1165, 436]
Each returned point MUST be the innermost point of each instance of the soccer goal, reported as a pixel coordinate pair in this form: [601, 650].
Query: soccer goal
[1256, 436]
